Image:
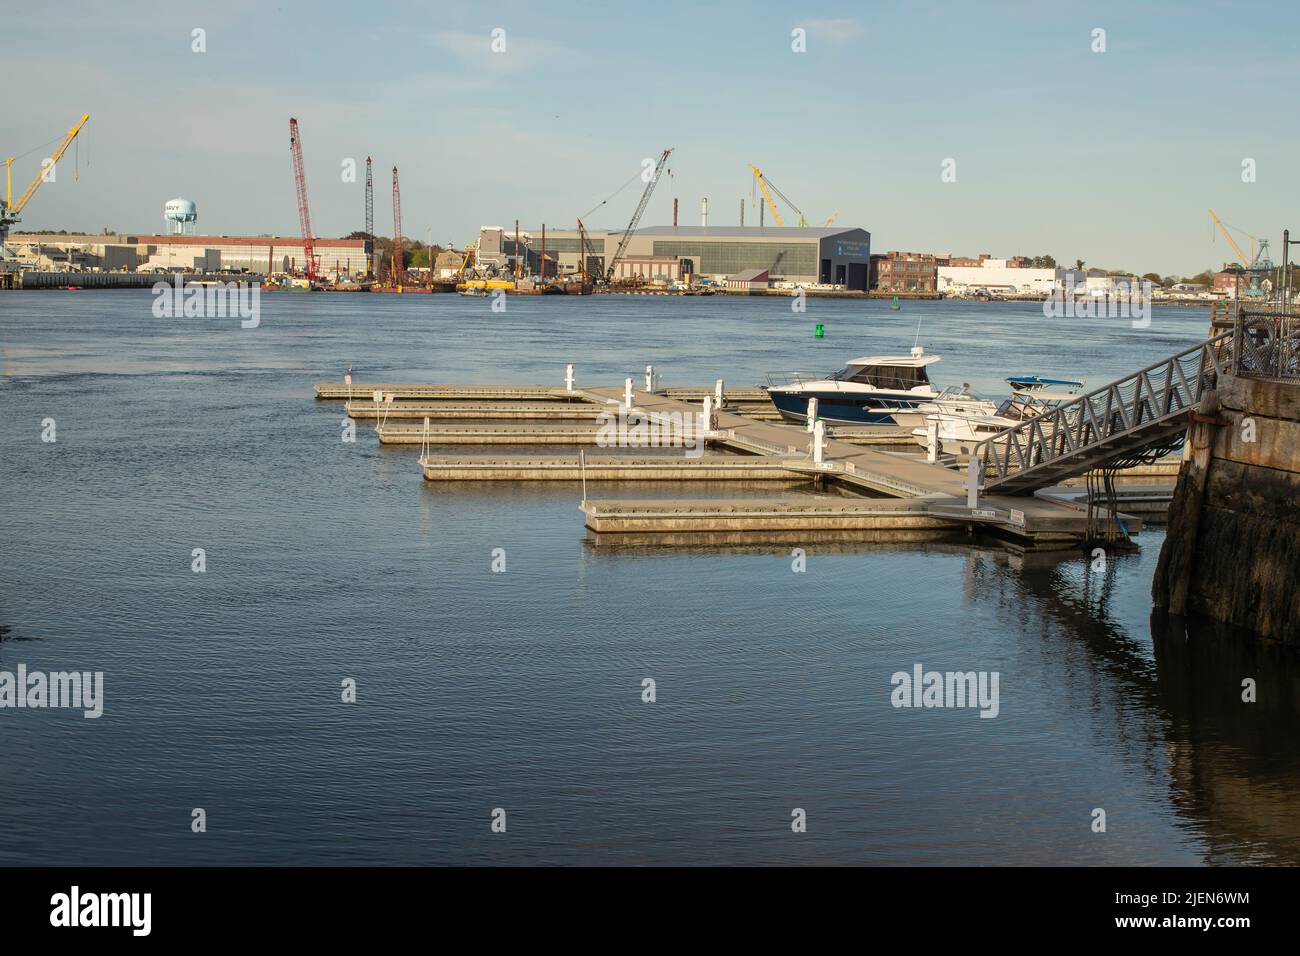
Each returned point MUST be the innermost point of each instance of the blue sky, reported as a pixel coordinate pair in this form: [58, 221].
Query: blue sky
[1108, 157]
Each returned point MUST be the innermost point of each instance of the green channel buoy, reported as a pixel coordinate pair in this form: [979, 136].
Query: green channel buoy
[818, 331]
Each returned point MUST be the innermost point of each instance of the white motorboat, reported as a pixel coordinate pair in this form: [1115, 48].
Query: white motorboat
[953, 400]
[868, 391]
[958, 434]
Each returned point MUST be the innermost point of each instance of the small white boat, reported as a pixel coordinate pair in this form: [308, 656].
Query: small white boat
[958, 434]
[1054, 390]
[953, 400]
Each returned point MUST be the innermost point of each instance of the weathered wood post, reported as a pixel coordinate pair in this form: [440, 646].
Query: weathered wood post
[1191, 486]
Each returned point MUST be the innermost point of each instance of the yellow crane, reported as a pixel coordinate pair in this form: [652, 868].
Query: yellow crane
[1241, 256]
[1259, 265]
[767, 187]
[12, 210]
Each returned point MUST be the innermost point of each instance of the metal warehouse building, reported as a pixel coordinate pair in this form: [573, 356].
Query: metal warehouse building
[807, 255]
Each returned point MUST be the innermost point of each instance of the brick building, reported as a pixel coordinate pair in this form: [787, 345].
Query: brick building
[1231, 278]
[904, 272]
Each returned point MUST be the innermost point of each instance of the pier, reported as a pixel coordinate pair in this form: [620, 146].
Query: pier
[1233, 549]
[885, 489]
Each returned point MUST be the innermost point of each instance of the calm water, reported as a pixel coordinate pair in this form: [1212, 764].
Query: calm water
[521, 690]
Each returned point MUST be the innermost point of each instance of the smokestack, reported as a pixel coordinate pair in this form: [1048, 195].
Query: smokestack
[704, 212]
[762, 215]
[674, 212]
[742, 212]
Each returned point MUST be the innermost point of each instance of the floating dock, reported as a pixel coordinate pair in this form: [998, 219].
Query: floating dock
[718, 468]
[459, 410]
[885, 488]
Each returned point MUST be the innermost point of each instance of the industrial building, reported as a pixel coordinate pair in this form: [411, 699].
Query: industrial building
[749, 280]
[792, 254]
[1002, 276]
[255, 254]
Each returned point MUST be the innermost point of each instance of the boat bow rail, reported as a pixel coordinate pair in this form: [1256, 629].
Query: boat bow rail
[1146, 408]
[779, 379]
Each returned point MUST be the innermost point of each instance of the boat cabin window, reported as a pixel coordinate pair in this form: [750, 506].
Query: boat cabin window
[897, 377]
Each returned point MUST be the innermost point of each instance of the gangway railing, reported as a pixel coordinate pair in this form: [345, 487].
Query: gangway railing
[1143, 409]
[1266, 344]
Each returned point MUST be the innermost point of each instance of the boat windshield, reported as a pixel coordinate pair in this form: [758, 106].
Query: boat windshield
[957, 393]
[1019, 409]
[901, 378]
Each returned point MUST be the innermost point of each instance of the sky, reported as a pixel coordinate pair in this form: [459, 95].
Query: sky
[1057, 147]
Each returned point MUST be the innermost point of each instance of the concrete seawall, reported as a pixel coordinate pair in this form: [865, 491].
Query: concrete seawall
[1232, 553]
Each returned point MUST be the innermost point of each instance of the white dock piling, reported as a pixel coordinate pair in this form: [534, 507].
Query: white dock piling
[819, 442]
[627, 394]
[812, 413]
[932, 439]
[717, 394]
[708, 413]
[649, 378]
[568, 378]
[974, 474]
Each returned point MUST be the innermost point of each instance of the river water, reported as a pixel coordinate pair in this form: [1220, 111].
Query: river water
[328, 561]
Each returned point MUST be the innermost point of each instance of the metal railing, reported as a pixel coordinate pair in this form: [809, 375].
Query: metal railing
[781, 378]
[1141, 409]
[1266, 344]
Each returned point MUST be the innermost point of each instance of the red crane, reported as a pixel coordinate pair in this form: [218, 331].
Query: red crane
[397, 231]
[304, 214]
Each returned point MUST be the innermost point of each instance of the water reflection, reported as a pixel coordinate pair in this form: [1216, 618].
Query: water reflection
[1232, 767]
[1165, 697]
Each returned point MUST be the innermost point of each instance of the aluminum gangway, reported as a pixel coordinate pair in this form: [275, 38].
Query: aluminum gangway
[1147, 408]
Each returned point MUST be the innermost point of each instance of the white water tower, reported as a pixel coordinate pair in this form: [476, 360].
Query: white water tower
[180, 215]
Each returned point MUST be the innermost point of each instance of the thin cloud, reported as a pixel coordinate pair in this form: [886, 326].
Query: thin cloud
[521, 52]
[836, 31]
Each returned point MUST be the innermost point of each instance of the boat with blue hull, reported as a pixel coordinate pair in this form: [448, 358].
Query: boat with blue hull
[867, 391]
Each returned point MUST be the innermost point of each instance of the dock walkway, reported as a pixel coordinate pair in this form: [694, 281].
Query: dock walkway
[903, 497]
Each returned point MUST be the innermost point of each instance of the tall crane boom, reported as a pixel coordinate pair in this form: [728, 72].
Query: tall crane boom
[1241, 256]
[636, 216]
[587, 255]
[768, 187]
[397, 230]
[370, 218]
[10, 210]
[304, 213]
